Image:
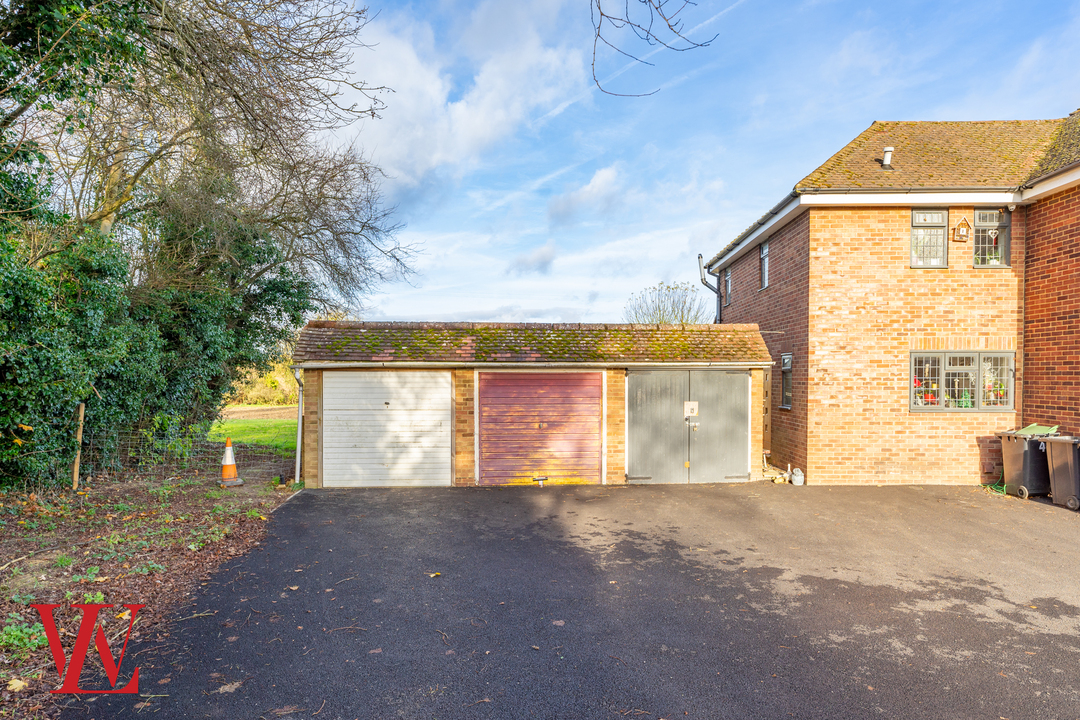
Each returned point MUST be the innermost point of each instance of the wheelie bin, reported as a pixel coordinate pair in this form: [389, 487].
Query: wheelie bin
[1063, 459]
[1023, 453]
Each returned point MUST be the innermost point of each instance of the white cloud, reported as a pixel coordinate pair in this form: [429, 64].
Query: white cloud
[538, 261]
[448, 107]
[601, 195]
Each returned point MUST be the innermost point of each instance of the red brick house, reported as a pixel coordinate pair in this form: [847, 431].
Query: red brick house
[917, 292]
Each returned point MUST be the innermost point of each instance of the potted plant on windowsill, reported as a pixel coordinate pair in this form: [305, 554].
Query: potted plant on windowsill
[993, 258]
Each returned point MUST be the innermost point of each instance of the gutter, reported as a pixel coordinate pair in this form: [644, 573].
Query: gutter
[412, 365]
[794, 194]
[901, 190]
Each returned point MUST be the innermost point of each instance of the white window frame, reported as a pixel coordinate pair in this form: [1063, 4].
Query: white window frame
[727, 286]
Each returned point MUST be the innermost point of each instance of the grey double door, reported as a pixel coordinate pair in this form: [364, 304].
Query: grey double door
[666, 444]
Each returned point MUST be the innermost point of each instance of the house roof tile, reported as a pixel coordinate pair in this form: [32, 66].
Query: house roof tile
[495, 343]
[994, 154]
[1063, 151]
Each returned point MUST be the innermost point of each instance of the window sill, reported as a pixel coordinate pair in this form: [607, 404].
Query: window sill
[783, 407]
[999, 266]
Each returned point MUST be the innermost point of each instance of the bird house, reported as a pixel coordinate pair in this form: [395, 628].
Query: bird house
[962, 231]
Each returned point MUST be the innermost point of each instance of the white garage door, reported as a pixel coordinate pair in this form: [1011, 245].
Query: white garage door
[387, 428]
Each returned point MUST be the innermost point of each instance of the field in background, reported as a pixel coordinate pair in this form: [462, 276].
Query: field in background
[277, 434]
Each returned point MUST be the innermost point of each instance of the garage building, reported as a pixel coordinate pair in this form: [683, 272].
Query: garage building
[421, 404]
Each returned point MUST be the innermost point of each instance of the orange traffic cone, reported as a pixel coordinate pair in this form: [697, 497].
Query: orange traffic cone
[228, 467]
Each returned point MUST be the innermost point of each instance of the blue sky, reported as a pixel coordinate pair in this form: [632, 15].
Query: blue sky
[533, 197]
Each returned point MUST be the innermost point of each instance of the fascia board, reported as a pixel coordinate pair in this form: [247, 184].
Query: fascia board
[1052, 184]
[414, 365]
[777, 221]
[946, 199]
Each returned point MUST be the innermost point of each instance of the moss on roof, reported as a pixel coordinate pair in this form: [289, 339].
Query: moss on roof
[994, 154]
[492, 343]
[1063, 152]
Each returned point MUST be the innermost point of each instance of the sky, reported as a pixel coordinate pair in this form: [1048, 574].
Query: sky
[531, 196]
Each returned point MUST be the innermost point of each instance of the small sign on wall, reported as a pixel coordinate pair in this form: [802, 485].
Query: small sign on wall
[690, 408]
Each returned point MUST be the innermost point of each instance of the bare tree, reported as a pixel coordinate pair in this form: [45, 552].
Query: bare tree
[656, 22]
[667, 304]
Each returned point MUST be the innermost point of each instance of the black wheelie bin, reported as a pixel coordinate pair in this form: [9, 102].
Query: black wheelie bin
[1023, 453]
[1063, 459]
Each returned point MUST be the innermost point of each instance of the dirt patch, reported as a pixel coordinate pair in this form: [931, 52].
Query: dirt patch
[132, 539]
[270, 412]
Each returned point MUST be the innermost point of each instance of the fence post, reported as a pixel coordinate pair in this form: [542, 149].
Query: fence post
[78, 449]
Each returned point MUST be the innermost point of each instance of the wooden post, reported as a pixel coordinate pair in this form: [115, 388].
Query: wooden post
[78, 449]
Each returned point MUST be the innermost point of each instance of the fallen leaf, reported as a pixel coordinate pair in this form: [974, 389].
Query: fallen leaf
[560, 623]
[294, 587]
[234, 638]
[15, 685]
[434, 574]
[215, 675]
[164, 681]
[376, 650]
[535, 647]
[287, 710]
[230, 687]
[101, 579]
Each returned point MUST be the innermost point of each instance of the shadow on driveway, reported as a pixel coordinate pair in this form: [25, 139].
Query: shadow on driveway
[735, 601]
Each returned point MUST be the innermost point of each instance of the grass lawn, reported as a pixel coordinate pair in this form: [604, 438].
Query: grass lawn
[278, 434]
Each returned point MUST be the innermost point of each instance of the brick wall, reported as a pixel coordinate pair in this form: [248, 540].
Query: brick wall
[867, 311]
[1052, 321]
[757, 424]
[780, 310]
[464, 427]
[309, 468]
[616, 427]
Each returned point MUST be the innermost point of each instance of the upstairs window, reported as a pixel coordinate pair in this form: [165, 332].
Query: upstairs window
[928, 246]
[727, 286]
[763, 264]
[991, 238]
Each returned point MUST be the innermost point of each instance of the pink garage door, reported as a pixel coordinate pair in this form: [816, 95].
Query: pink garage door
[540, 425]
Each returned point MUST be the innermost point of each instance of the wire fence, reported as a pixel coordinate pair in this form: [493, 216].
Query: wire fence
[160, 457]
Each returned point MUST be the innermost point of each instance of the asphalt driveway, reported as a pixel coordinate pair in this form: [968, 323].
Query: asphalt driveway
[734, 601]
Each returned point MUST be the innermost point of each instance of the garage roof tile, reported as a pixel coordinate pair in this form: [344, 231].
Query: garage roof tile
[326, 341]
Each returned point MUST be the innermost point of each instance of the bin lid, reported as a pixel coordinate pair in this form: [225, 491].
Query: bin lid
[1036, 429]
